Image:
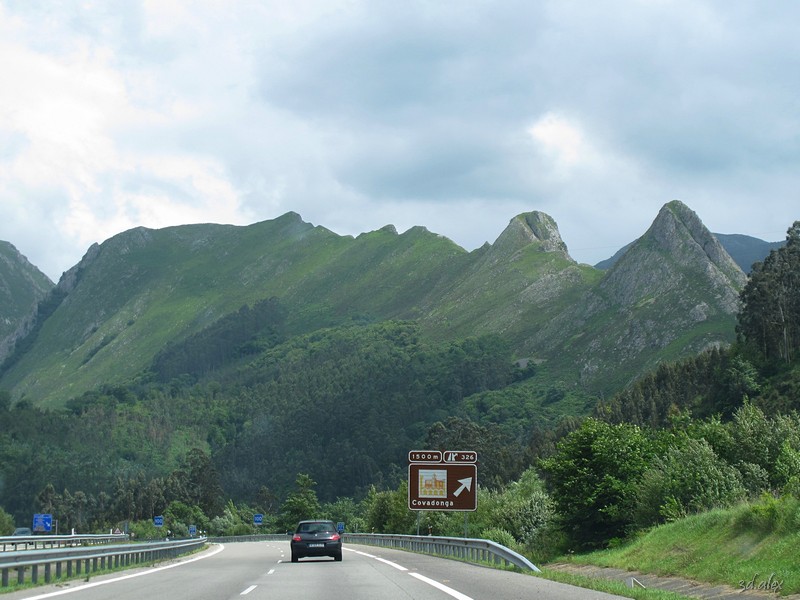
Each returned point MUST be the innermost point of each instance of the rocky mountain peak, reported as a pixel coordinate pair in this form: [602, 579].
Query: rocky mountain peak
[676, 244]
[677, 229]
[533, 228]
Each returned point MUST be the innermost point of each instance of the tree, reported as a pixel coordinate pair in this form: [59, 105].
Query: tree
[300, 504]
[769, 320]
[6, 523]
[688, 478]
[499, 459]
[593, 476]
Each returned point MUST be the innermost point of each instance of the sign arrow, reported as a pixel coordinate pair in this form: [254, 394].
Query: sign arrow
[466, 484]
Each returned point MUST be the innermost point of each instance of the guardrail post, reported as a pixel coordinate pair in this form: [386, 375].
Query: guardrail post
[20, 575]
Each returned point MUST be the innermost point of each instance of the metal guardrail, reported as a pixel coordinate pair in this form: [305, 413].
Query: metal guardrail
[72, 561]
[14, 542]
[469, 549]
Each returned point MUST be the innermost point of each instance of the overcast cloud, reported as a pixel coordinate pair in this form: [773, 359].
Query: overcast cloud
[355, 114]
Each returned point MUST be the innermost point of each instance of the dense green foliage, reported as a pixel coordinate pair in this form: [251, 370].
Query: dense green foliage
[593, 477]
[770, 316]
[303, 406]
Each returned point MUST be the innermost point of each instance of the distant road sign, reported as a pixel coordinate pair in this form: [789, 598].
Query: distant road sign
[192, 530]
[158, 521]
[42, 523]
[340, 527]
[258, 519]
[444, 486]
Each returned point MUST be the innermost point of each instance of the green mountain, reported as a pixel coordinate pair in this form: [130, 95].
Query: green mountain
[143, 293]
[22, 286]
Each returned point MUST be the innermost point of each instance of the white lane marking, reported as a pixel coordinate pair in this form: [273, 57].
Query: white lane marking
[248, 590]
[271, 571]
[441, 586]
[383, 560]
[123, 577]
[390, 563]
[359, 552]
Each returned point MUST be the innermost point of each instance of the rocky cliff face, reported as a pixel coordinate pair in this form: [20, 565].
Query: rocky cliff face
[22, 285]
[674, 279]
[676, 253]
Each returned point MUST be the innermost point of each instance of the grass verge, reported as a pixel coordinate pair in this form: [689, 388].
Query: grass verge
[755, 543]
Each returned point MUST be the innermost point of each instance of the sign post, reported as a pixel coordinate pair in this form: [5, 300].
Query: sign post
[443, 480]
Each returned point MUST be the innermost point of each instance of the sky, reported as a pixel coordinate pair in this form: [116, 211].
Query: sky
[453, 115]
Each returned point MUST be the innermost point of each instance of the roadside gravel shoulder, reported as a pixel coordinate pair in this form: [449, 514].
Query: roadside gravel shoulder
[685, 587]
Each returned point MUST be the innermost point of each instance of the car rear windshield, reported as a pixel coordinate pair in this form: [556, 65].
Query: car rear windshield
[316, 527]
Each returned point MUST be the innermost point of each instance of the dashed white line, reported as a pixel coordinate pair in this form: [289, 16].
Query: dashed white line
[248, 590]
[390, 563]
[441, 586]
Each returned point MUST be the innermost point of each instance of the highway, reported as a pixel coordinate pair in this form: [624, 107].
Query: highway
[261, 570]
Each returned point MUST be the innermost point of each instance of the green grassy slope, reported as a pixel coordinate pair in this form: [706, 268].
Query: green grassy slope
[750, 542]
[21, 286]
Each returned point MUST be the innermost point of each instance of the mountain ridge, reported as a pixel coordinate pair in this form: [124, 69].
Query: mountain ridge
[144, 288]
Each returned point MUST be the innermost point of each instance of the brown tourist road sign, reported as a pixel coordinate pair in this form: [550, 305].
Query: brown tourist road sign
[443, 485]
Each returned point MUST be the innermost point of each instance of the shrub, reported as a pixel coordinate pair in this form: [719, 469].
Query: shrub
[688, 478]
[499, 536]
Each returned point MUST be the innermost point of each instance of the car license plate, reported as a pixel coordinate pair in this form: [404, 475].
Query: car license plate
[316, 545]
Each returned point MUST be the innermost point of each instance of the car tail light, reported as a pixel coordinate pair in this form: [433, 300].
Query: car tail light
[335, 537]
[296, 538]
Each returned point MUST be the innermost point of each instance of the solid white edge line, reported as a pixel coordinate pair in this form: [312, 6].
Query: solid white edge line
[441, 586]
[248, 590]
[123, 577]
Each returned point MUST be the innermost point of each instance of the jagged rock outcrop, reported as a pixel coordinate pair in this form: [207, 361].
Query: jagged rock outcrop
[534, 229]
[675, 278]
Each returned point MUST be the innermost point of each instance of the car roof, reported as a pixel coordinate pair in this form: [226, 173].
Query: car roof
[316, 521]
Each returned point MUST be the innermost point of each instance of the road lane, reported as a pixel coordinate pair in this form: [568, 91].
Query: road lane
[261, 570]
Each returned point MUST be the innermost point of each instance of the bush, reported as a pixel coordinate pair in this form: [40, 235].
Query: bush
[499, 536]
[688, 478]
[770, 514]
[6, 523]
[593, 476]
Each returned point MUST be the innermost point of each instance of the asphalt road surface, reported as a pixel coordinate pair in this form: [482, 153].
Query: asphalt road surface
[261, 570]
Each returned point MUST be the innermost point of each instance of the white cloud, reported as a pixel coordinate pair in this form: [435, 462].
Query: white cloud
[563, 142]
[456, 116]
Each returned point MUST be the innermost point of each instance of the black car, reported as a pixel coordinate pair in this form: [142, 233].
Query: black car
[316, 538]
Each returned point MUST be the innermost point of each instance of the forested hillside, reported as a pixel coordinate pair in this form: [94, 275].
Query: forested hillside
[245, 414]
